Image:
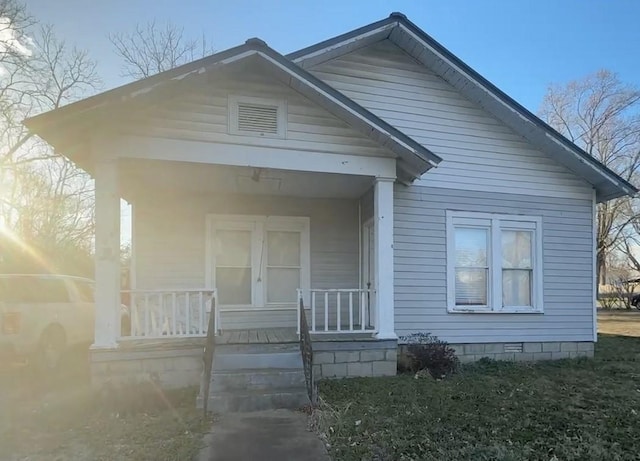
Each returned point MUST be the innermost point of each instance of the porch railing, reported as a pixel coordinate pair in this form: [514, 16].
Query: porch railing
[170, 313]
[339, 310]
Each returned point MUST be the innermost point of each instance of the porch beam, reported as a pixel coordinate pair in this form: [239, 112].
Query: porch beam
[384, 271]
[148, 148]
[107, 257]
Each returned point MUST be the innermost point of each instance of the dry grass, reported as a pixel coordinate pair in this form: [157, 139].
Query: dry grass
[579, 410]
[63, 419]
[619, 322]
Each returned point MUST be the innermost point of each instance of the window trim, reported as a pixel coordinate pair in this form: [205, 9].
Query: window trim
[232, 122]
[495, 223]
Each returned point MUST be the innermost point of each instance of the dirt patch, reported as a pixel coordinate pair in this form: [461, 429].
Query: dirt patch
[619, 322]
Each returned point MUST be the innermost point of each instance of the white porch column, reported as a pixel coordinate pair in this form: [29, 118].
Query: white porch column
[384, 272]
[107, 258]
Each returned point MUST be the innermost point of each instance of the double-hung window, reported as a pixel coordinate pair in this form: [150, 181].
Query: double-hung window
[494, 263]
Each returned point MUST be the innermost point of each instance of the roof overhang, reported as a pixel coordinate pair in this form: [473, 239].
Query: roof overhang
[422, 47]
[413, 159]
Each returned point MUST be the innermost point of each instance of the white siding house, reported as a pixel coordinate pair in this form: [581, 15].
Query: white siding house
[373, 177]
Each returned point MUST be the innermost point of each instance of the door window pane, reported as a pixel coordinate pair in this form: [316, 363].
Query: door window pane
[282, 285]
[471, 247]
[233, 267]
[516, 249]
[233, 248]
[471, 287]
[516, 287]
[283, 248]
[234, 285]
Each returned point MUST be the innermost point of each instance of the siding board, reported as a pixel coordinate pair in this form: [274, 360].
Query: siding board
[420, 267]
[479, 152]
[202, 115]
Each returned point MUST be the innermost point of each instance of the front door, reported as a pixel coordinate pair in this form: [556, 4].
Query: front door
[257, 263]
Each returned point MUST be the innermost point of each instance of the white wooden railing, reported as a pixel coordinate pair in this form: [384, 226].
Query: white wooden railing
[338, 310]
[169, 313]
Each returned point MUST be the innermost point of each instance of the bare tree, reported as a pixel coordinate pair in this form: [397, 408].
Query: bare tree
[153, 48]
[601, 114]
[44, 199]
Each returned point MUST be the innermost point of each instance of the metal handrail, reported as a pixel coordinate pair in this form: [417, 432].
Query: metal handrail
[208, 352]
[306, 350]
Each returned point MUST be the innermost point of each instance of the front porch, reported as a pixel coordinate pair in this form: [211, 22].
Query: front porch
[256, 249]
[204, 244]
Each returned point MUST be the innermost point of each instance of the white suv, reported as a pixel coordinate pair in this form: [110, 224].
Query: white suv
[43, 315]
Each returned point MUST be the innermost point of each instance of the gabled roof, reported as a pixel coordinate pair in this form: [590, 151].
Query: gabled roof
[422, 47]
[413, 158]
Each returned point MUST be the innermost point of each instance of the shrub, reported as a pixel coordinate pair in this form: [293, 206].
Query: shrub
[427, 352]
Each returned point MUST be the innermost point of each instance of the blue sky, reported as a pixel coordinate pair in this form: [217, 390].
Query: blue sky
[520, 45]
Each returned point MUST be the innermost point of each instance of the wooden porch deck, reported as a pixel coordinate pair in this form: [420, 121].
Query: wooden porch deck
[284, 335]
[258, 336]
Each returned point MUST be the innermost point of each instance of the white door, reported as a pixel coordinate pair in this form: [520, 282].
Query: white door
[368, 269]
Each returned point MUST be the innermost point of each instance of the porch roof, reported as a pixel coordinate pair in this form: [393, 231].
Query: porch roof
[426, 50]
[63, 127]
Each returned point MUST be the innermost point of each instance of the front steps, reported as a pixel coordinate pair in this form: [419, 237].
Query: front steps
[255, 377]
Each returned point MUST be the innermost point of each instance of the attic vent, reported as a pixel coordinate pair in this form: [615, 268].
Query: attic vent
[513, 347]
[257, 117]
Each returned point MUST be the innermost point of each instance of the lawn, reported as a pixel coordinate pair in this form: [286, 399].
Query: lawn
[564, 410]
[62, 419]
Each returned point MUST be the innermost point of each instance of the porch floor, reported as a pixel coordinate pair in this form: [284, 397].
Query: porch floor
[258, 336]
[284, 335]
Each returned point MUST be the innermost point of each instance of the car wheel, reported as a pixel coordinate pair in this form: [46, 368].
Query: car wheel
[50, 349]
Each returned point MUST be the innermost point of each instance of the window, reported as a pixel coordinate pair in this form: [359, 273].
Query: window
[283, 266]
[494, 263]
[257, 117]
[233, 266]
[83, 291]
[36, 290]
[258, 261]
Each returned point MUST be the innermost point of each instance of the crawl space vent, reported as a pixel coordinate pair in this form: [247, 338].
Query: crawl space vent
[513, 347]
[257, 118]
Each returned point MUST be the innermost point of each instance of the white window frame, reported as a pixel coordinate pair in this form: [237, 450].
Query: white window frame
[232, 122]
[259, 226]
[495, 223]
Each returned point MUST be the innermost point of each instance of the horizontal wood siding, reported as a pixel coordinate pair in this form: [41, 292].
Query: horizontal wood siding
[420, 267]
[202, 115]
[169, 241]
[478, 151]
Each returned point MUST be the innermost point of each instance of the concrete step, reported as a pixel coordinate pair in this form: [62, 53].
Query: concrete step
[230, 402]
[248, 361]
[272, 379]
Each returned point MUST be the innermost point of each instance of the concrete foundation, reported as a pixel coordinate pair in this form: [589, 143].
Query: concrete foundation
[358, 358]
[171, 363]
[519, 352]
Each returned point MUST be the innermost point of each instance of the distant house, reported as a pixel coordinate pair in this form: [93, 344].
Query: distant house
[373, 176]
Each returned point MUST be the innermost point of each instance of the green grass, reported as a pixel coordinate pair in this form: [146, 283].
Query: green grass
[65, 420]
[563, 410]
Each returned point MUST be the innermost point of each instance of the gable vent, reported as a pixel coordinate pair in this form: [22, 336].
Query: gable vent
[251, 116]
[257, 118]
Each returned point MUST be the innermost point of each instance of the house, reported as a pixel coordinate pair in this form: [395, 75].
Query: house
[374, 177]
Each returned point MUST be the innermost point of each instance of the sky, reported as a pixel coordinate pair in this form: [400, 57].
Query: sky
[522, 46]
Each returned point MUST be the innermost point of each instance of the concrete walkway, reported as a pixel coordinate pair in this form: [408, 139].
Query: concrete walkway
[263, 436]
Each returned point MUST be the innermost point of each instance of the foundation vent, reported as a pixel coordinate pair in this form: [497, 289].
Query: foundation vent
[513, 347]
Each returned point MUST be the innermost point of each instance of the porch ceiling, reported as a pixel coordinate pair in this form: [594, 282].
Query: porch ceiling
[142, 176]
